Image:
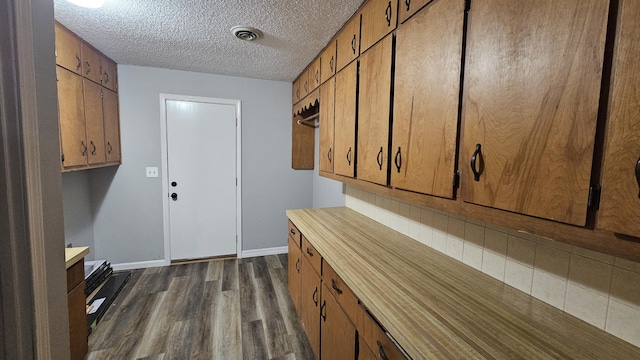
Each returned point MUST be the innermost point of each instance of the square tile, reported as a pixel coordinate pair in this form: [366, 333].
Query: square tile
[497, 228]
[474, 234]
[474, 221]
[455, 228]
[593, 255]
[439, 241]
[426, 217]
[455, 247]
[472, 255]
[425, 235]
[590, 274]
[521, 250]
[549, 289]
[622, 321]
[586, 305]
[629, 265]
[493, 264]
[518, 275]
[440, 222]
[555, 244]
[495, 241]
[625, 287]
[552, 261]
[523, 235]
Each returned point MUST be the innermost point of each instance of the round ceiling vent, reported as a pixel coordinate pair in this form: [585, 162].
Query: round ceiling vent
[246, 33]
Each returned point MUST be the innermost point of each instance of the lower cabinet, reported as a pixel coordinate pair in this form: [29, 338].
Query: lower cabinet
[337, 333]
[295, 279]
[76, 301]
[310, 305]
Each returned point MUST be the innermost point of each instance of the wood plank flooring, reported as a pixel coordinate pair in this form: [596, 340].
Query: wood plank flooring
[221, 309]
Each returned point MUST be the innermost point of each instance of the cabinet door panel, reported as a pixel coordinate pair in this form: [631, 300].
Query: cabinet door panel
[328, 62]
[338, 335]
[327, 116]
[295, 266]
[532, 85]
[296, 90]
[73, 138]
[314, 74]
[111, 125]
[68, 53]
[310, 305]
[109, 74]
[345, 121]
[410, 7]
[620, 200]
[94, 121]
[348, 43]
[76, 303]
[90, 63]
[374, 108]
[379, 17]
[426, 93]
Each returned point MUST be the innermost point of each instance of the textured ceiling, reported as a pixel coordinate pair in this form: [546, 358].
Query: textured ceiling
[194, 35]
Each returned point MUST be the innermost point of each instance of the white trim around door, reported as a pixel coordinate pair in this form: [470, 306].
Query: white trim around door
[165, 176]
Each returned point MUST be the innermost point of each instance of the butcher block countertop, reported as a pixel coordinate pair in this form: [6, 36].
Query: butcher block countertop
[438, 308]
[74, 254]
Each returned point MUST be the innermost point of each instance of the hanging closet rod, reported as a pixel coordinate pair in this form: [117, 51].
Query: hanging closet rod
[307, 119]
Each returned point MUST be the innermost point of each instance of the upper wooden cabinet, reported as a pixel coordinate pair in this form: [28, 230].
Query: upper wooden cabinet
[426, 99]
[73, 136]
[109, 74]
[295, 91]
[111, 126]
[68, 50]
[313, 74]
[94, 122]
[374, 112]
[327, 120]
[348, 43]
[345, 121]
[328, 62]
[379, 17]
[410, 7]
[90, 63]
[620, 201]
[530, 105]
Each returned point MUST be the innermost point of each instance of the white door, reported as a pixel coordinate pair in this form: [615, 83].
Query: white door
[201, 168]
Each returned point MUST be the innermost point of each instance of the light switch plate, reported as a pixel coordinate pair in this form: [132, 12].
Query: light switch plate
[152, 172]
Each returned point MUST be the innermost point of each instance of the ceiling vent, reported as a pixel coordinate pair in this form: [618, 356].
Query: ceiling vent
[246, 33]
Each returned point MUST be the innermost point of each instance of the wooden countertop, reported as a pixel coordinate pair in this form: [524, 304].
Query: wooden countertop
[74, 254]
[438, 308]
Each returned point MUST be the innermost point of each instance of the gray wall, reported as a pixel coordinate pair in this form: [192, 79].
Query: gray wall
[127, 206]
[78, 214]
[326, 192]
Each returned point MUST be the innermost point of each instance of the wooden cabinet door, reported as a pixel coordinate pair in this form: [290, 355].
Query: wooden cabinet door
[426, 99]
[348, 43]
[379, 17]
[296, 90]
[304, 84]
[295, 278]
[314, 74]
[109, 74]
[310, 305]
[90, 63]
[620, 201]
[76, 303]
[364, 353]
[68, 53]
[111, 125]
[73, 138]
[345, 121]
[410, 7]
[328, 62]
[532, 84]
[338, 335]
[374, 112]
[94, 122]
[327, 117]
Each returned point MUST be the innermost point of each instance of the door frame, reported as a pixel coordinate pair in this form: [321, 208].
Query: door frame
[165, 161]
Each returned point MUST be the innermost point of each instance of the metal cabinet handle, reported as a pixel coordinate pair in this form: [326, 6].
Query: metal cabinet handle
[297, 93]
[293, 232]
[79, 64]
[84, 148]
[379, 158]
[408, 4]
[387, 14]
[88, 67]
[638, 174]
[323, 311]
[317, 76]
[309, 252]
[353, 44]
[106, 77]
[93, 151]
[474, 159]
[381, 352]
[331, 64]
[398, 160]
[335, 287]
[314, 297]
[349, 156]
[109, 147]
[306, 86]
[298, 265]
[329, 154]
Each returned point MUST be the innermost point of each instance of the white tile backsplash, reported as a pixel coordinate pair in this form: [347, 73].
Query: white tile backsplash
[600, 289]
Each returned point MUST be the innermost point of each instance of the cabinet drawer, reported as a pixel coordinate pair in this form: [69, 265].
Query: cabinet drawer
[312, 255]
[294, 234]
[75, 275]
[340, 291]
[375, 337]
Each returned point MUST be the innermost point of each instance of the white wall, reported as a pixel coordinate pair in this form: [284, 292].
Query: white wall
[326, 192]
[78, 214]
[127, 206]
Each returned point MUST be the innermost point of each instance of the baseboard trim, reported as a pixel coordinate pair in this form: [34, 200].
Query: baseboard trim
[139, 265]
[264, 252]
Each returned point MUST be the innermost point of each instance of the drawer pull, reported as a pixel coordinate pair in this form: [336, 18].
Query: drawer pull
[298, 265]
[293, 232]
[315, 301]
[381, 352]
[323, 311]
[335, 287]
[309, 252]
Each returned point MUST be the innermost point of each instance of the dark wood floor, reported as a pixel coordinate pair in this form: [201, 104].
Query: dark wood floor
[222, 309]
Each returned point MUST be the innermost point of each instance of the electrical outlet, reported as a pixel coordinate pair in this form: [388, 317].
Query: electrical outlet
[152, 172]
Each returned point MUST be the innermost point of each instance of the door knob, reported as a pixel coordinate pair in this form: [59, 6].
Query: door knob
[174, 196]
[174, 184]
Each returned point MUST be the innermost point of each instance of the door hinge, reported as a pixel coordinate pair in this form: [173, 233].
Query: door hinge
[456, 179]
[594, 197]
